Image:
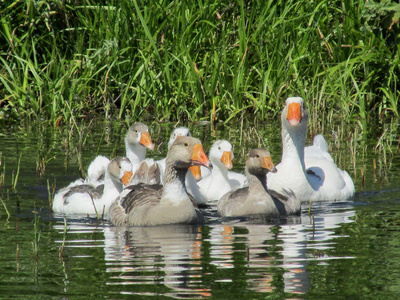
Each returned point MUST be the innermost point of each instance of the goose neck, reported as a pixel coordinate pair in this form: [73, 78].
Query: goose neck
[293, 146]
[175, 175]
[174, 190]
[135, 152]
[111, 184]
[257, 182]
[219, 169]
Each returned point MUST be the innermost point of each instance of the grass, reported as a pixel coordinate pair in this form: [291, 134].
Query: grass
[177, 60]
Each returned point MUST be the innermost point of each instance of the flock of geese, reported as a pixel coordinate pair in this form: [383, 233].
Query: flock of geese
[139, 191]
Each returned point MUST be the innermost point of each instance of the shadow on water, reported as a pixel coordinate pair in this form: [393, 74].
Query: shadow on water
[342, 248]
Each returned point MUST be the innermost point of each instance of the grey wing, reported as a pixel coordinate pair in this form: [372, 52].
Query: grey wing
[193, 200]
[278, 196]
[147, 172]
[230, 203]
[100, 189]
[239, 193]
[141, 194]
[286, 202]
[96, 193]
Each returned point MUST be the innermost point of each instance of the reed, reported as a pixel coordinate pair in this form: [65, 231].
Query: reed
[179, 60]
[62, 246]
[3, 173]
[5, 208]
[14, 179]
[37, 235]
[51, 191]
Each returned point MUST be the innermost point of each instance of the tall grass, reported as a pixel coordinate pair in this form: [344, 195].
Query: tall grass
[174, 60]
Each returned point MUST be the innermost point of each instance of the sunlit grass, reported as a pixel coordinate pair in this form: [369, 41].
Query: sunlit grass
[211, 60]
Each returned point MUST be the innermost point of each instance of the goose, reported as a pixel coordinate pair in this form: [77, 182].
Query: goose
[152, 172]
[88, 199]
[149, 205]
[137, 140]
[195, 173]
[255, 199]
[96, 170]
[177, 132]
[313, 177]
[215, 185]
[319, 149]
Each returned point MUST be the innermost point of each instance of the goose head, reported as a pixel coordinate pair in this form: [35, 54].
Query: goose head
[259, 162]
[294, 115]
[138, 134]
[184, 131]
[221, 154]
[186, 152]
[120, 169]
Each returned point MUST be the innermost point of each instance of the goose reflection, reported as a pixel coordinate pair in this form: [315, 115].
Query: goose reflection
[169, 255]
[184, 261]
[262, 256]
[276, 253]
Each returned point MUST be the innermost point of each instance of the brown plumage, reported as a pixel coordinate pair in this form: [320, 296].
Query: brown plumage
[148, 205]
[148, 172]
[256, 199]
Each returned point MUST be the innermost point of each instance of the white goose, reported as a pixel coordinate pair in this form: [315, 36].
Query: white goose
[137, 140]
[311, 178]
[96, 170]
[218, 183]
[87, 199]
[319, 149]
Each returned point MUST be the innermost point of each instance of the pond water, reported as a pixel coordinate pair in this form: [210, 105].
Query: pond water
[343, 250]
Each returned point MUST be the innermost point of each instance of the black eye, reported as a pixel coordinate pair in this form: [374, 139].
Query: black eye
[219, 148]
[186, 144]
[257, 156]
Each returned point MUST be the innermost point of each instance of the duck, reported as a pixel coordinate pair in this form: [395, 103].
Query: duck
[256, 199]
[88, 199]
[215, 185]
[314, 177]
[150, 205]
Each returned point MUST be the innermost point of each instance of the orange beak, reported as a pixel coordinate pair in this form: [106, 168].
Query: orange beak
[227, 159]
[196, 172]
[145, 140]
[269, 165]
[199, 158]
[294, 114]
[127, 178]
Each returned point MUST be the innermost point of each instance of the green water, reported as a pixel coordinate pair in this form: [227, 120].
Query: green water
[342, 250]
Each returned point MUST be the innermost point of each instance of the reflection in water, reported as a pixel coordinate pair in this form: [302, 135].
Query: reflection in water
[277, 252]
[170, 255]
[181, 261]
